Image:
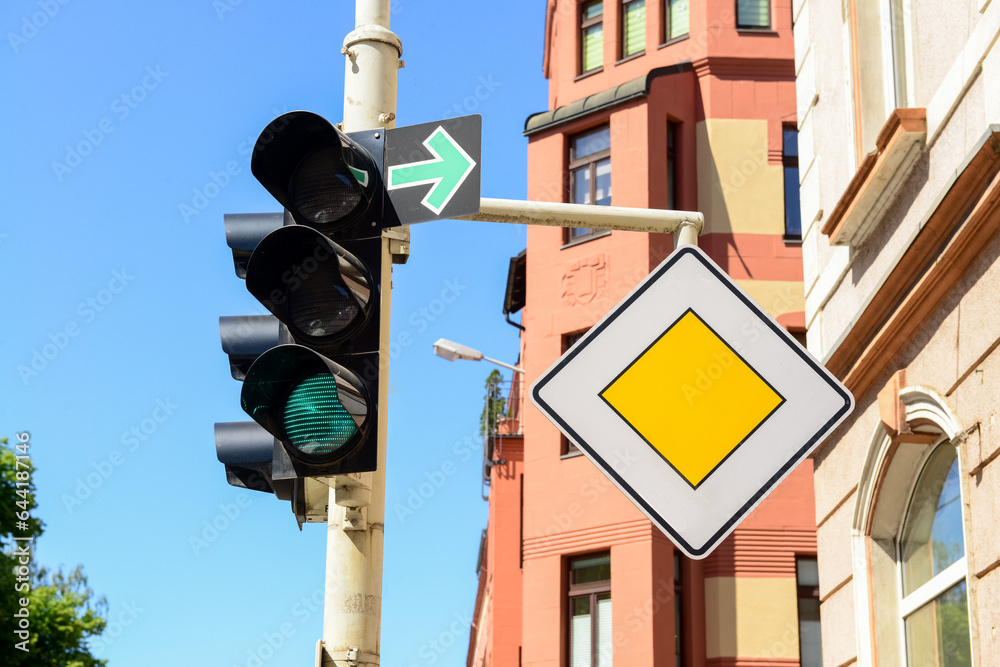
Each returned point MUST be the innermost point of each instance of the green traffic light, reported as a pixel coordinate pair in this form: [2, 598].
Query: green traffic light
[316, 422]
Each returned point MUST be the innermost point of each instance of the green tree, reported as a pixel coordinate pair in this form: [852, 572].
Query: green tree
[494, 404]
[62, 611]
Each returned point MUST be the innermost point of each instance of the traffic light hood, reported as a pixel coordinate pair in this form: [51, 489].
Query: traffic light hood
[324, 178]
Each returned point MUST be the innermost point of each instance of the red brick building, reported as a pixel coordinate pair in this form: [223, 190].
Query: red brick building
[652, 104]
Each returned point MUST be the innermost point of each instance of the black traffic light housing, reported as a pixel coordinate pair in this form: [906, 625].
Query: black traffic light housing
[326, 179]
[310, 370]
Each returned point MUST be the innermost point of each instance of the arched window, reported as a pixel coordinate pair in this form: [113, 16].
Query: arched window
[910, 571]
[934, 602]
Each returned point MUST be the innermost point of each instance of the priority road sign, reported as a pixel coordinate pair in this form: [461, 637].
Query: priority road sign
[433, 169]
[692, 400]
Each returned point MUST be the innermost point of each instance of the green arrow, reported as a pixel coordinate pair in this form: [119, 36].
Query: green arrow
[445, 173]
[361, 175]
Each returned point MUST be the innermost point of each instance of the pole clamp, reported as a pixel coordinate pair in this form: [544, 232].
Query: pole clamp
[373, 33]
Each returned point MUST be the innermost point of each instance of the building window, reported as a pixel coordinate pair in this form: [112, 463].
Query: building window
[934, 603]
[590, 173]
[633, 27]
[790, 165]
[589, 607]
[679, 610]
[591, 36]
[675, 20]
[671, 166]
[753, 14]
[807, 578]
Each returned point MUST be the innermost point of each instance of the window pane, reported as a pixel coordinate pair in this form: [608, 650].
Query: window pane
[604, 183]
[635, 27]
[753, 14]
[678, 26]
[590, 569]
[593, 9]
[581, 185]
[591, 142]
[793, 212]
[604, 642]
[593, 46]
[579, 632]
[789, 142]
[937, 634]
[932, 535]
[810, 644]
[807, 572]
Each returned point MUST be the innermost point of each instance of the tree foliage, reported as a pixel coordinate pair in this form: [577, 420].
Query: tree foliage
[62, 611]
[494, 403]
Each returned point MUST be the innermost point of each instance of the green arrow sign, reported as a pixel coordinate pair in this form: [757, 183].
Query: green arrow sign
[445, 173]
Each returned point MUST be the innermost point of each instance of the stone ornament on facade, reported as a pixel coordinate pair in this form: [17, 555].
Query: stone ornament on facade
[586, 280]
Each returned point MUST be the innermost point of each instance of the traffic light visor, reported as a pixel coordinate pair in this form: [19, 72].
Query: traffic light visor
[326, 180]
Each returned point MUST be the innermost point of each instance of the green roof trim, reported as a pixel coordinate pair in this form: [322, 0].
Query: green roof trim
[605, 99]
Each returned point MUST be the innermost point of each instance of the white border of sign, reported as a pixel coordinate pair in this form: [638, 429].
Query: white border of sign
[698, 518]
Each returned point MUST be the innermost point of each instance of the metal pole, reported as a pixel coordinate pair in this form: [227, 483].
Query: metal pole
[505, 365]
[685, 225]
[352, 611]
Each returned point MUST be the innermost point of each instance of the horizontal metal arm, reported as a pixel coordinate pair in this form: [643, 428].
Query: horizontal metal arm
[685, 225]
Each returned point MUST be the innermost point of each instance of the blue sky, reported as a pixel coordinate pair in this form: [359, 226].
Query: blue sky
[118, 116]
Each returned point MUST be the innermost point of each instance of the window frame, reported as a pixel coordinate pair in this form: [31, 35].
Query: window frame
[665, 38]
[578, 164]
[787, 162]
[590, 590]
[623, 31]
[755, 28]
[585, 24]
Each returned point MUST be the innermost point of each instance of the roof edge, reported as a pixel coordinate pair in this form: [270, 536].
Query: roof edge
[545, 120]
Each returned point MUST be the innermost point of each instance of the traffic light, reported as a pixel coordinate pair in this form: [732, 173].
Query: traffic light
[319, 274]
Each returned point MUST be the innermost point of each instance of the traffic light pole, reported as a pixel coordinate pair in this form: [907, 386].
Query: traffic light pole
[353, 599]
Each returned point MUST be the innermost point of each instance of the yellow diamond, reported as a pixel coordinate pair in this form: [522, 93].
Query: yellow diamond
[692, 398]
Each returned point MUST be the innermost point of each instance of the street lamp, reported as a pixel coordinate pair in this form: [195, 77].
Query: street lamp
[452, 351]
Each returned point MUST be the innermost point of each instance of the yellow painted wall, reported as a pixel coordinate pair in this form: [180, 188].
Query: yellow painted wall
[738, 191]
[751, 617]
[777, 297]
